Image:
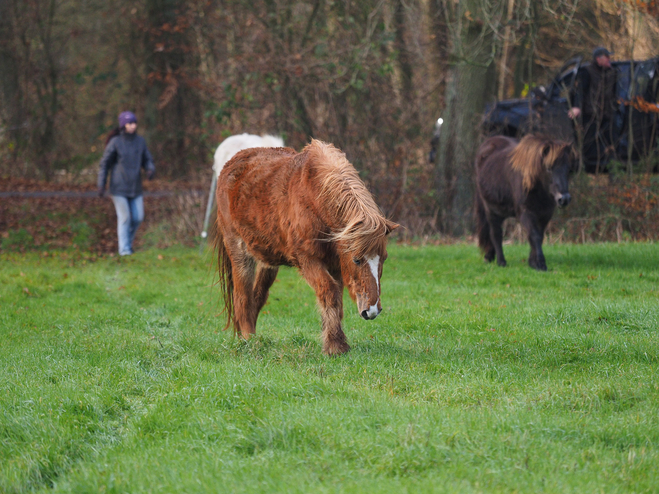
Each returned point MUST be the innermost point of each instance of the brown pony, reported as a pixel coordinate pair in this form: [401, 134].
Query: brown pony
[276, 207]
[525, 179]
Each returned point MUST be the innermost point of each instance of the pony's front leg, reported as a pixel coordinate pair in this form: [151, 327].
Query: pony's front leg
[243, 270]
[329, 293]
[496, 235]
[536, 232]
[265, 277]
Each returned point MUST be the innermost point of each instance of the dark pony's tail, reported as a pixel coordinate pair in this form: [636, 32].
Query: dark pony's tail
[482, 226]
[225, 276]
[115, 132]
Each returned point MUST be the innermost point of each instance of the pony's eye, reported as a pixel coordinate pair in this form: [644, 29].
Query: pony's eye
[357, 261]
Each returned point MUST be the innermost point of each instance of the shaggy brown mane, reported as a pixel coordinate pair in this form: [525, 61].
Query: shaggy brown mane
[534, 155]
[344, 192]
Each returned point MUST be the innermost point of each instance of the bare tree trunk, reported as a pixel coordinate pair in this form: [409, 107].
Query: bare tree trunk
[525, 53]
[173, 106]
[466, 91]
[503, 66]
[405, 67]
[12, 109]
[630, 138]
[46, 85]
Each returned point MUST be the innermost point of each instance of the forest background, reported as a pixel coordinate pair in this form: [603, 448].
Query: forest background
[370, 76]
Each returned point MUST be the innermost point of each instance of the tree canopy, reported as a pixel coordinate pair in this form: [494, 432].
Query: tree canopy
[371, 76]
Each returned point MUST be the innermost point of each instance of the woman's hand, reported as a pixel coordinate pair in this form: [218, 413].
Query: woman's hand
[574, 112]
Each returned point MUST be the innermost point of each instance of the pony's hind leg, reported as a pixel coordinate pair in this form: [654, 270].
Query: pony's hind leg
[329, 293]
[265, 277]
[483, 229]
[490, 255]
[243, 273]
[496, 236]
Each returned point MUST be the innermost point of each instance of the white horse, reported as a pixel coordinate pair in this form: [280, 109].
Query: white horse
[225, 151]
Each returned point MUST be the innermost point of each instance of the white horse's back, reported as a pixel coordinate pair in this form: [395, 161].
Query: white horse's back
[225, 151]
[231, 145]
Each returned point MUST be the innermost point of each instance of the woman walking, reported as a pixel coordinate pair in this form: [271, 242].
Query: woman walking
[124, 157]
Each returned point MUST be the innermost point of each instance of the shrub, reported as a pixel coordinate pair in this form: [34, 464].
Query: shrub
[17, 240]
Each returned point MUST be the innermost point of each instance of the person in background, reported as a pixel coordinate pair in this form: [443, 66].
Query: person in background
[595, 101]
[124, 157]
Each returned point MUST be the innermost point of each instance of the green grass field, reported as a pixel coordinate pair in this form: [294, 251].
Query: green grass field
[116, 376]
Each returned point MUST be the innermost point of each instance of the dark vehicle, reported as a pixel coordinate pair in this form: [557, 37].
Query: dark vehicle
[545, 110]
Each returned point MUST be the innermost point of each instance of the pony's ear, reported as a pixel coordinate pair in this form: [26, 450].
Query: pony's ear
[390, 227]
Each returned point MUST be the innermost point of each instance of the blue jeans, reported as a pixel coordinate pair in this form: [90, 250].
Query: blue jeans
[130, 213]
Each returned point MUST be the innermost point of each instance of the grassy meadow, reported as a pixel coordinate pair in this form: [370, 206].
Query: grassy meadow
[116, 376]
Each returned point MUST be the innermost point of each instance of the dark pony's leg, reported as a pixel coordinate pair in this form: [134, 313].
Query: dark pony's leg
[535, 228]
[496, 236]
[265, 277]
[243, 274]
[329, 293]
[483, 229]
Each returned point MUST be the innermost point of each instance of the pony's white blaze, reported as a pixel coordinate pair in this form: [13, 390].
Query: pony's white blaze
[374, 264]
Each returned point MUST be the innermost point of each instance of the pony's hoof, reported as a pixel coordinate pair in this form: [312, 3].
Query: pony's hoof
[489, 257]
[502, 264]
[538, 266]
[246, 335]
[334, 349]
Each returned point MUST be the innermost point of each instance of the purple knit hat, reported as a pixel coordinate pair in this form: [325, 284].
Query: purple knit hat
[126, 117]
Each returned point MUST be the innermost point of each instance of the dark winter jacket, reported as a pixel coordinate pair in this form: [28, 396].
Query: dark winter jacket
[123, 158]
[596, 92]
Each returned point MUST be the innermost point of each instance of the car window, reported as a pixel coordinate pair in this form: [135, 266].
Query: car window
[644, 73]
[564, 81]
[562, 85]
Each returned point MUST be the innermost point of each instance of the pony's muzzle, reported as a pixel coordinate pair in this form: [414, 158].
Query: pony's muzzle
[564, 200]
[371, 313]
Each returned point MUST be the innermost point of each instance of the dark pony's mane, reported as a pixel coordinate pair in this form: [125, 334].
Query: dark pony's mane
[534, 155]
[343, 192]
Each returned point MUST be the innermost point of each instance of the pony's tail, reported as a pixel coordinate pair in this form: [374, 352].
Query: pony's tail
[482, 226]
[225, 277]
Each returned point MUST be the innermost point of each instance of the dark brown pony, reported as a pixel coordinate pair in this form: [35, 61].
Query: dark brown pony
[525, 179]
[276, 207]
